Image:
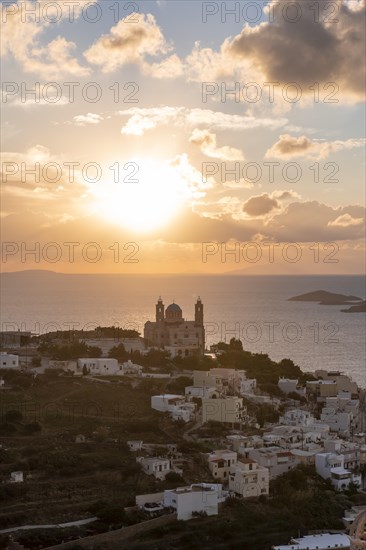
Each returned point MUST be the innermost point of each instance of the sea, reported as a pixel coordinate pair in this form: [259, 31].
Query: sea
[255, 309]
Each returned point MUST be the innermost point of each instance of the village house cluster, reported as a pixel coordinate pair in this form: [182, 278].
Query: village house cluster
[322, 425]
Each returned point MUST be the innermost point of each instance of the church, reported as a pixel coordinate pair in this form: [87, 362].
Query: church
[173, 333]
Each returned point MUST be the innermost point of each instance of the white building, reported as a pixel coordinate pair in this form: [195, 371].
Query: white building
[135, 445]
[331, 466]
[16, 477]
[247, 386]
[277, 460]
[201, 391]
[249, 479]
[130, 368]
[242, 444]
[225, 381]
[297, 417]
[207, 379]
[99, 366]
[195, 499]
[354, 454]
[158, 467]
[8, 360]
[227, 410]
[176, 405]
[324, 541]
[340, 413]
[344, 382]
[221, 463]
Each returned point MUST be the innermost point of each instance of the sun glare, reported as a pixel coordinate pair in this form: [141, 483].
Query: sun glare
[143, 195]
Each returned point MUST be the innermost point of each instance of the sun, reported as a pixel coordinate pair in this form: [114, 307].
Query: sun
[143, 195]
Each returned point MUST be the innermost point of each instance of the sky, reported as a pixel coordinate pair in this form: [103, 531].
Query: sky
[183, 136]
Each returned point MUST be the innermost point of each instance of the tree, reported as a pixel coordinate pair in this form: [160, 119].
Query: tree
[13, 416]
[119, 352]
[236, 345]
[36, 361]
[33, 427]
[111, 514]
[94, 351]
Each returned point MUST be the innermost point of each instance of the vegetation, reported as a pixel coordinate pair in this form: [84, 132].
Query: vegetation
[259, 366]
[71, 351]
[301, 502]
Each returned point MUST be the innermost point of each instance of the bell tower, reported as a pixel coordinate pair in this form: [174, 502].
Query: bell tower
[198, 313]
[159, 310]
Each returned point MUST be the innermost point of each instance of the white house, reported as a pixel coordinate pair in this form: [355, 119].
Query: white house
[247, 385]
[221, 463]
[354, 454]
[16, 477]
[340, 413]
[227, 410]
[242, 444]
[331, 466]
[176, 405]
[135, 445]
[99, 366]
[8, 360]
[156, 466]
[198, 498]
[297, 417]
[249, 479]
[201, 391]
[129, 368]
[277, 460]
[339, 422]
[344, 382]
[324, 541]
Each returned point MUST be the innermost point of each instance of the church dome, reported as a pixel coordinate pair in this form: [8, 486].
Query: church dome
[174, 308]
[173, 312]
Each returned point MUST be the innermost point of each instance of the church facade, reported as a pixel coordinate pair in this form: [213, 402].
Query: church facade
[172, 332]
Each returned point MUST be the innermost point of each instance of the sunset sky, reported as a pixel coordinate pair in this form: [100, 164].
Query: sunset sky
[180, 163]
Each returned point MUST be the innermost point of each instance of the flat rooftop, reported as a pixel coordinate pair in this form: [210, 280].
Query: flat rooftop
[314, 542]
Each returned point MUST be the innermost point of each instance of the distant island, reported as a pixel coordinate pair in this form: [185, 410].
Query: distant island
[325, 298]
[358, 308]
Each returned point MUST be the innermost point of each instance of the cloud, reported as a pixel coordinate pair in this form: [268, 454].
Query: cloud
[345, 220]
[131, 43]
[37, 175]
[207, 142]
[311, 220]
[289, 147]
[89, 118]
[260, 205]
[20, 38]
[306, 51]
[142, 119]
[171, 67]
